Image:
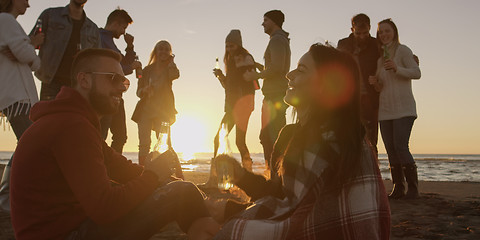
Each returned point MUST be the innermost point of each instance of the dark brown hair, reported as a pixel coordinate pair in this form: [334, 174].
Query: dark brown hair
[119, 15]
[86, 60]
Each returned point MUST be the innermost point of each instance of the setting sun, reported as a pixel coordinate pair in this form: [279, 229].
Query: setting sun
[189, 135]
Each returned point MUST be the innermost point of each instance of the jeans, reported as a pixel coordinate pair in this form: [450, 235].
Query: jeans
[273, 120]
[117, 125]
[396, 135]
[177, 201]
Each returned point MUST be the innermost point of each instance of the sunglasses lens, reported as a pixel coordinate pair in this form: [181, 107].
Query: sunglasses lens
[121, 79]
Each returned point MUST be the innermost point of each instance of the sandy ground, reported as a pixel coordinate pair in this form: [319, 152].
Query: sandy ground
[446, 210]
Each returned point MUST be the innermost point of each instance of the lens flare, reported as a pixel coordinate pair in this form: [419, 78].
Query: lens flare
[334, 86]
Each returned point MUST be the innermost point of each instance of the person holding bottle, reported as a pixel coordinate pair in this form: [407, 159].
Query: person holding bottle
[239, 100]
[326, 183]
[397, 112]
[157, 102]
[239, 93]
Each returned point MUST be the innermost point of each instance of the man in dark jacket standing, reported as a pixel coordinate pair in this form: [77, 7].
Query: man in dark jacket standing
[275, 83]
[117, 23]
[364, 49]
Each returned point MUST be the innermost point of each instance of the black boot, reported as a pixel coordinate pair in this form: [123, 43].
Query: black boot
[412, 179]
[398, 183]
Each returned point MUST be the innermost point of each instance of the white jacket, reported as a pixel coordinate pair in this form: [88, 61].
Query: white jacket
[396, 97]
[16, 80]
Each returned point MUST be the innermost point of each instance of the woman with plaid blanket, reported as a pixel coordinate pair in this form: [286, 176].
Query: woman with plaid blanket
[325, 179]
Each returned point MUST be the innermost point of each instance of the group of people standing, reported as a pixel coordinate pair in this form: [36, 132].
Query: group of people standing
[66, 183]
[387, 68]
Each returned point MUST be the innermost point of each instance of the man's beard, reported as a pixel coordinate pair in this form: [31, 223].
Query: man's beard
[78, 4]
[101, 103]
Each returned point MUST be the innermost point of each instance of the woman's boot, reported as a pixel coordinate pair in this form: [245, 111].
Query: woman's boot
[398, 182]
[411, 176]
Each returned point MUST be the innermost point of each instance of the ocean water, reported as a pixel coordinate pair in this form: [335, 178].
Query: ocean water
[431, 167]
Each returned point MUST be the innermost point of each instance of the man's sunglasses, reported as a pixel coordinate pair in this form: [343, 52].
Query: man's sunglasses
[115, 78]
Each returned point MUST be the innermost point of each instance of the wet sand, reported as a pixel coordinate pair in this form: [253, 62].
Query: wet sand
[446, 210]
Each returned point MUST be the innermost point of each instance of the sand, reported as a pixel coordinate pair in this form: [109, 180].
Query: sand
[445, 210]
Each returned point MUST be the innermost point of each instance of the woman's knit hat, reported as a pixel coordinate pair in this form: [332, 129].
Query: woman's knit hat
[234, 37]
[276, 16]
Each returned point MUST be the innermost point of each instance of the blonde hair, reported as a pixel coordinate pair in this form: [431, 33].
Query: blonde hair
[153, 55]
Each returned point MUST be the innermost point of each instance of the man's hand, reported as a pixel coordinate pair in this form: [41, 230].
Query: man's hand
[160, 164]
[128, 39]
[251, 76]
[8, 53]
[37, 39]
[136, 64]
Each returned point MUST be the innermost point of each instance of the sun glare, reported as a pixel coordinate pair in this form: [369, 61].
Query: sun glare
[189, 136]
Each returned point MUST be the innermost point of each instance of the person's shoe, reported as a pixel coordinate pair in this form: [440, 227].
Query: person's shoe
[398, 190]
[5, 190]
[411, 176]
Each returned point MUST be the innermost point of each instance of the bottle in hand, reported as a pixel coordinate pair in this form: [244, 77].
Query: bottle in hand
[38, 29]
[138, 71]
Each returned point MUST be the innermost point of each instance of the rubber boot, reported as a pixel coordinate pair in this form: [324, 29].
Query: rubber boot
[398, 190]
[411, 176]
[5, 190]
[247, 163]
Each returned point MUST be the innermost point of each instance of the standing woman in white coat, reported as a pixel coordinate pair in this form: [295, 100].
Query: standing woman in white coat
[397, 112]
[17, 88]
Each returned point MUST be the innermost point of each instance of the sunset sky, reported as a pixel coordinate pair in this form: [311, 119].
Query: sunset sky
[443, 33]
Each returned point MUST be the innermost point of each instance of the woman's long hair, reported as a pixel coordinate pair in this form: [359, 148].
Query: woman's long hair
[153, 54]
[335, 106]
[228, 59]
[395, 42]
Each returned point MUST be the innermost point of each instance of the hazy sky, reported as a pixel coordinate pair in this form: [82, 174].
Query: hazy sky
[444, 34]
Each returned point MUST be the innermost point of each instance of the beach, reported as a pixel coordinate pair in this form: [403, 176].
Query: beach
[445, 210]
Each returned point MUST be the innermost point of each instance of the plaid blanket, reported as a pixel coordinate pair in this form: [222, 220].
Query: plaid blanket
[358, 210]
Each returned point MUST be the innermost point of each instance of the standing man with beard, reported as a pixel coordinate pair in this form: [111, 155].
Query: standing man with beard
[364, 49]
[67, 31]
[117, 23]
[275, 83]
[67, 183]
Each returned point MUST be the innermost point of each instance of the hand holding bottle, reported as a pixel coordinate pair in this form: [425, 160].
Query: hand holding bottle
[160, 164]
[390, 65]
[37, 40]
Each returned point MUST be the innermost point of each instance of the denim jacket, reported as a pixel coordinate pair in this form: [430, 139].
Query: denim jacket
[57, 26]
